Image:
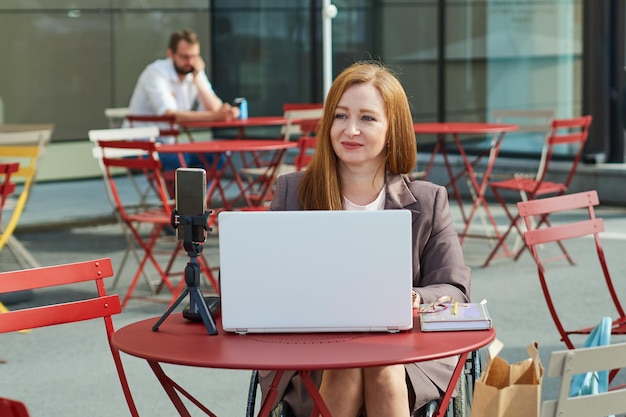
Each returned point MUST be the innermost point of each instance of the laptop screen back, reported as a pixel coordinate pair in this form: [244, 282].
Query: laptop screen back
[315, 271]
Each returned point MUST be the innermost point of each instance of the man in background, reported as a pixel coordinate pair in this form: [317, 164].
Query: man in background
[178, 86]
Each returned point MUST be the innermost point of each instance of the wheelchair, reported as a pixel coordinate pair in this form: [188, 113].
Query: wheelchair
[460, 406]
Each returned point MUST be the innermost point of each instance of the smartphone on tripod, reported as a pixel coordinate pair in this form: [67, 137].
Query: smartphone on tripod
[190, 199]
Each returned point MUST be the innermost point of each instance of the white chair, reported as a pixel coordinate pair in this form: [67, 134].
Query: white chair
[116, 116]
[295, 112]
[132, 133]
[567, 363]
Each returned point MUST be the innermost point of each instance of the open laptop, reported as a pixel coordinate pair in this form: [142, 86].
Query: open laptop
[315, 271]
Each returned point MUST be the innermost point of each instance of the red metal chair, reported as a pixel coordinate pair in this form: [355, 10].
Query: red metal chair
[100, 306]
[12, 408]
[167, 123]
[155, 212]
[306, 147]
[296, 114]
[6, 186]
[568, 132]
[544, 232]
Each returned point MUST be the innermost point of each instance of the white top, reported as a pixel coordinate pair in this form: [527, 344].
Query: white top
[377, 204]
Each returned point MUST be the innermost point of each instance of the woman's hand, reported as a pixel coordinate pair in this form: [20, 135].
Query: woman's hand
[417, 300]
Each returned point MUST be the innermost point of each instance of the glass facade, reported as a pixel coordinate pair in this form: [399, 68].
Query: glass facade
[66, 61]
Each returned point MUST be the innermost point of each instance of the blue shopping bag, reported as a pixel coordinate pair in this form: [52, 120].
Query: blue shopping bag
[597, 381]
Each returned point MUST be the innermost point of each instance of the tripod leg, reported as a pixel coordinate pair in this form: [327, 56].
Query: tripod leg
[170, 309]
[207, 317]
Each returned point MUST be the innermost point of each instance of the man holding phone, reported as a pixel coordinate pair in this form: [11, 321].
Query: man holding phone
[174, 85]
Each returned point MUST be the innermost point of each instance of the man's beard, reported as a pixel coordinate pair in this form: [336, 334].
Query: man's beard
[182, 71]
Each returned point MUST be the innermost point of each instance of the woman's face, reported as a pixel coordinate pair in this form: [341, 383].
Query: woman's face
[359, 130]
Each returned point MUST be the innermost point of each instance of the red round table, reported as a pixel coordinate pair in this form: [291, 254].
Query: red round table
[238, 124]
[303, 352]
[455, 130]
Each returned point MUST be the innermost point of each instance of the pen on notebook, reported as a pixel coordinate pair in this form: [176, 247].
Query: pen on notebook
[455, 308]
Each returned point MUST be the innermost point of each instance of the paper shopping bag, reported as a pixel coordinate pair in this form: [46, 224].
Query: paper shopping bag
[508, 390]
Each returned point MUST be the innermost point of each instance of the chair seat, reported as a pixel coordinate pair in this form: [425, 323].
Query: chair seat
[529, 185]
[156, 215]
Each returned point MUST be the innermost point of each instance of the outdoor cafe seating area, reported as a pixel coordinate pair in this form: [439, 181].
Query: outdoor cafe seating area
[503, 227]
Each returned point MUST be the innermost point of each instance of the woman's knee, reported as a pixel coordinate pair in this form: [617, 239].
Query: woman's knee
[385, 375]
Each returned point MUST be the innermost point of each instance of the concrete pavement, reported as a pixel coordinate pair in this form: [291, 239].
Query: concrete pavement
[67, 370]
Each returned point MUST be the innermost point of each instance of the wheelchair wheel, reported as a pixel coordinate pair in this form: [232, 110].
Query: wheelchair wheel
[462, 404]
[250, 404]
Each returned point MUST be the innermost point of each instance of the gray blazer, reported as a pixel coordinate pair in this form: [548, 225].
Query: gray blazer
[438, 269]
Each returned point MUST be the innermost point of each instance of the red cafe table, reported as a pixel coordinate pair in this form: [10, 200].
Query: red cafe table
[240, 124]
[303, 352]
[252, 193]
[454, 130]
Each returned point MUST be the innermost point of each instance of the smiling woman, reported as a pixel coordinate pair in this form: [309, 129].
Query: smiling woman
[365, 149]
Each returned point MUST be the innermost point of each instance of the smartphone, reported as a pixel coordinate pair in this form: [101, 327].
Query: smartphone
[190, 199]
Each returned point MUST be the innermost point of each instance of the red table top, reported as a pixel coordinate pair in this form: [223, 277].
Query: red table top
[241, 145]
[249, 122]
[181, 342]
[462, 127]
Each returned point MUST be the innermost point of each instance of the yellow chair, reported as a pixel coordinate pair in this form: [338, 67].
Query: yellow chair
[24, 144]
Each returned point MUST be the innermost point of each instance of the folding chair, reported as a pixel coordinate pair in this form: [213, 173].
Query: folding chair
[156, 215]
[27, 157]
[137, 133]
[166, 123]
[570, 132]
[296, 113]
[543, 231]
[6, 189]
[567, 363]
[12, 408]
[301, 120]
[100, 306]
[304, 155]
[534, 126]
[116, 115]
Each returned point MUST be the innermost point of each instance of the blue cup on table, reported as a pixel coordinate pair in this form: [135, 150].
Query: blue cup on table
[242, 103]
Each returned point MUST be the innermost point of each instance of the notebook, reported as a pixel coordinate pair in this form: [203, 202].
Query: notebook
[315, 271]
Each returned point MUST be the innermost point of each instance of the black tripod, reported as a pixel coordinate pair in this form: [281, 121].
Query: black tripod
[194, 228]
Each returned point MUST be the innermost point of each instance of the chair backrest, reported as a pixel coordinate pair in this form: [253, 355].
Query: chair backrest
[533, 124]
[116, 115]
[99, 306]
[166, 123]
[38, 135]
[12, 408]
[542, 231]
[306, 143]
[296, 114]
[130, 133]
[147, 166]
[149, 133]
[567, 363]
[572, 132]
